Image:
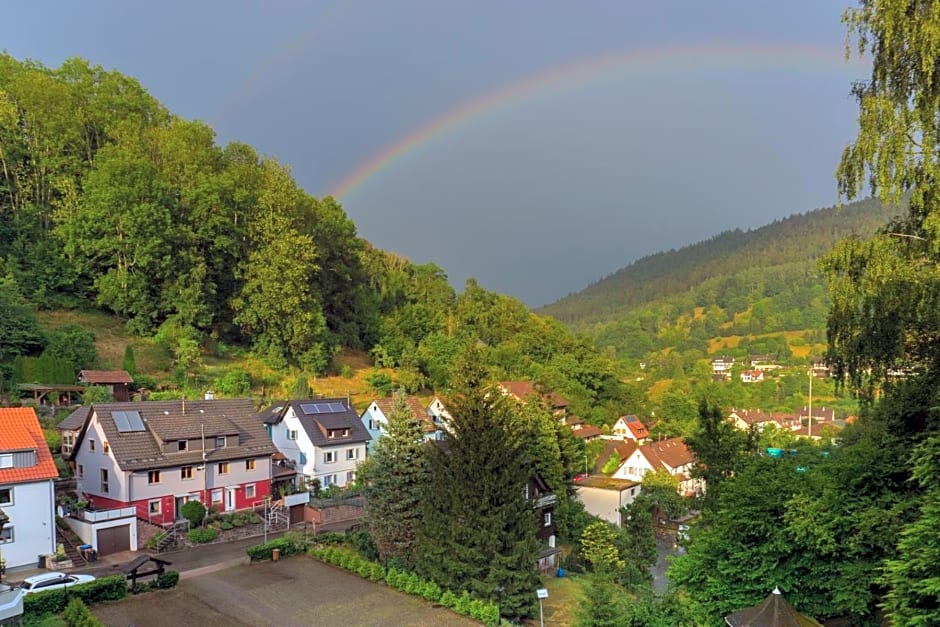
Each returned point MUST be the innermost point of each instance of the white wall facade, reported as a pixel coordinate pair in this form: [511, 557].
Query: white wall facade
[605, 503]
[89, 463]
[32, 519]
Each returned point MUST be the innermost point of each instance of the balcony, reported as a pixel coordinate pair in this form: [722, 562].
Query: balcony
[101, 515]
[545, 500]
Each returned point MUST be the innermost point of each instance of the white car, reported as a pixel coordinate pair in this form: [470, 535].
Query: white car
[52, 581]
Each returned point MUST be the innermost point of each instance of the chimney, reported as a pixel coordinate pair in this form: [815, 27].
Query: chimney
[209, 395]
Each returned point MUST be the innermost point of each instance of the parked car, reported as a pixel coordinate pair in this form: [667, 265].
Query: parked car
[52, 581]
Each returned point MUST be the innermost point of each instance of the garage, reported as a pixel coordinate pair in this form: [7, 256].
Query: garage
[114, 539]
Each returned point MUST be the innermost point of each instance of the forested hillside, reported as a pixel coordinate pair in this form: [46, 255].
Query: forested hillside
[738, 283]
[108, 201]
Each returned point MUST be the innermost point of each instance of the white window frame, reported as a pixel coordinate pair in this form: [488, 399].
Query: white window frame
[352, 453]
[183, 476]
[81, 471]
[91, 445]
[250, 464]
[182, 446]
[292, 434]
[104, 480]
[154, 477]
[547, 519]
[6, 536]
[220, 441]
[155, 511]
[6, 460]
[250, 491]
[351, 476]
[329, 457]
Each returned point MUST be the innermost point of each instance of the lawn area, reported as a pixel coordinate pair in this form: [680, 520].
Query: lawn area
[564, 599]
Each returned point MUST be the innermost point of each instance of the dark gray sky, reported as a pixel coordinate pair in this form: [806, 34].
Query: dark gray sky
[541, 195]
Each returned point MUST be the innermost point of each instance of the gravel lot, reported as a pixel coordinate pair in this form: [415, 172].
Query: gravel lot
[294, 591]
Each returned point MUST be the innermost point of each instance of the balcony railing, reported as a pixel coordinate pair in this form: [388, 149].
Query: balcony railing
[100, 515]
[545, 500]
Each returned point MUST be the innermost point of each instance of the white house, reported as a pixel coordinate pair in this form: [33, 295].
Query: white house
[439, 414]
[27, 493]
[671, 455]
[375, 419]
[752, 376]
[603, 496]
[324, 437]
[630, 428]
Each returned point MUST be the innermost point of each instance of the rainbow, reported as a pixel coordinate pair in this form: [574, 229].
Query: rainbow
[587, 71]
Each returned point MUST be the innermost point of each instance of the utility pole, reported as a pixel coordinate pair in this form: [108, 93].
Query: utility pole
[809, 424]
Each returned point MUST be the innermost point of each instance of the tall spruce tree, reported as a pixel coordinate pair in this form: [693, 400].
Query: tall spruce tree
[395, 476]
[477, 530]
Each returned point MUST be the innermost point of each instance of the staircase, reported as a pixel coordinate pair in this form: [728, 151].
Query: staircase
[170, 538]
[145, 531]
[67, 538]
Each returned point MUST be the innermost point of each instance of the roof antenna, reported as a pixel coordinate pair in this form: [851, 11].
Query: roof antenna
[348, 405]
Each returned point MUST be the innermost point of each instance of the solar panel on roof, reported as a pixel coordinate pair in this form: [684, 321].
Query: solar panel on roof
[337, 407]
[136, 422]
[120, 420]
[322, 408]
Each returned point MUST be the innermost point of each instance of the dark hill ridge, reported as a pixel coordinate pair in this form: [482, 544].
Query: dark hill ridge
[790, 245]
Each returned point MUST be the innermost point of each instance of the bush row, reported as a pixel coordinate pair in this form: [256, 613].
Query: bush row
[77, 614]
[111, 588]
[486, 613]
[164, 581]
[289, 544]
[202, 535]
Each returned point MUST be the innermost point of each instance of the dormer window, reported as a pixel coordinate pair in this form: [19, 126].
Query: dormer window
[331, 434]
[182, 445]
[220, 442]
[345, 433]
[6, 460]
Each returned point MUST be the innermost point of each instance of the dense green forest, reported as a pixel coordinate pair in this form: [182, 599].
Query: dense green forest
[760, 282]
[108, 201]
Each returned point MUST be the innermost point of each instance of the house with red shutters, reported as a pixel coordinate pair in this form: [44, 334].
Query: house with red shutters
[155, 456]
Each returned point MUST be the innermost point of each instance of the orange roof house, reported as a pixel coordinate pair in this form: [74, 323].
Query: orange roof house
[27, 495]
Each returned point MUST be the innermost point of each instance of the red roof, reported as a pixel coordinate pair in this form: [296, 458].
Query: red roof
[637, 428]
[104, 376]
[671, 452]
[20, 431]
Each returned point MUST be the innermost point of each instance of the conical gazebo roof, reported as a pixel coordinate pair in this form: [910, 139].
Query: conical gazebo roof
[774, 611]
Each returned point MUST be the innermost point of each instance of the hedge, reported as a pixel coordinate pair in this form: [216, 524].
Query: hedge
[201, 536]
[111, 588]
[410, 583]
[167, 579]
[77, 614]
[289, 544]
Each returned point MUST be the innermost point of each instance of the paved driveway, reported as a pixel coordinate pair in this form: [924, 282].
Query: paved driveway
[294, 591]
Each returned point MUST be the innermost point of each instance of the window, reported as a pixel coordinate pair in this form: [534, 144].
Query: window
[350, 476]
[81, 471]
[352, 453]
[303, 459]
[292, 434]
[548, 519]
[249, 464]
[91, 445]
[6, 460]
[6, 535]
[154, 507]
[331, 434]
[104, 446]
[329, 457]
[217, 496]
[153, 477]
[371, 425]
[345, 433]
[6, 496]
[220, 442]
[250, 491]
[329, 480]
[223, 468]
[104, 479]
[186, 472]
[182, 445]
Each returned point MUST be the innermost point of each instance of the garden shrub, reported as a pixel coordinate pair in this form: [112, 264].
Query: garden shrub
[289, 544]
[238, 522]
[377, 573]
[167, 579]
[201, 536]
[225, 526]
[194, 512]
[391, 576]
[431, 591]
[331, 537]
[462, 605]
[449, 599]
[414, 584]
[77, 614]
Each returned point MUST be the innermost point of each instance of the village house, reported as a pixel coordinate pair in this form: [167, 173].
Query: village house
[764, 362]
[439, 414]
[744, 419]
[752, 376]
[671, 455]
[27, 493]
[582, 430]
[604, 496]
[630, 428]
[375, 419]
[117, 381]
[155, 456]
[522, 391]
[721, 367]
[324, 438]
[68, 429]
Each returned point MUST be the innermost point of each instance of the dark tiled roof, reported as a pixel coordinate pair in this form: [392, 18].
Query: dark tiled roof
[105, 376]
[317, 426]
[75, 420]
[167, 421]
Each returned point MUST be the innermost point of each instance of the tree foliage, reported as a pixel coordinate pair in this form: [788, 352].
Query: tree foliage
[395, 477]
